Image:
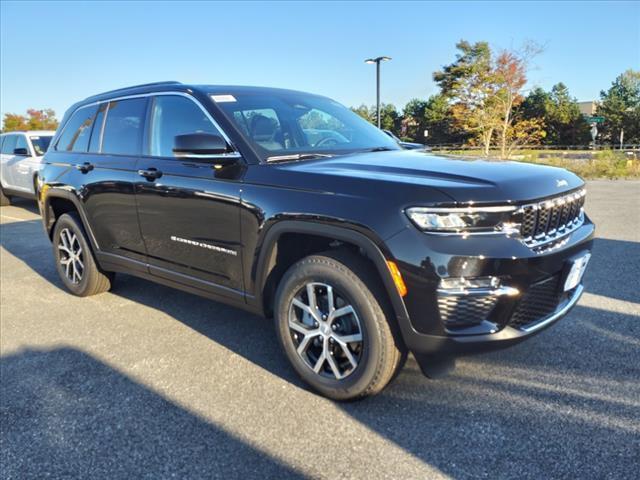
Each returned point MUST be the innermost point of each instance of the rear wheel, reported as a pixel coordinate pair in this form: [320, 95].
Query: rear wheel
[332, 326]
[75, 263]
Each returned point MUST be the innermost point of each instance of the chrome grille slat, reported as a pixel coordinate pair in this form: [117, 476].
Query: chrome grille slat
[549, 220]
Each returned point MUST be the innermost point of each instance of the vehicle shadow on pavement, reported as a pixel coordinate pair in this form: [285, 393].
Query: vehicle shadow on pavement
[26, 241]
[563, 404]
[25, 204]
[66, 414]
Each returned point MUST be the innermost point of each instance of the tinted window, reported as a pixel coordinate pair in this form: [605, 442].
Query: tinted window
[21, 142]
[96, 134]
[75, 136]
[40, 144]
[173, 115]
[287, 123]
[9, 144]
[263, 125]
[123, 126]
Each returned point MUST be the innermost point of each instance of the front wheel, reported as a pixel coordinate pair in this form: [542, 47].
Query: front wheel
[332, 326]
[75, 263]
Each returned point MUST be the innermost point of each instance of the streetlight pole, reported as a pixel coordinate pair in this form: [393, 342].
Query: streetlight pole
[377, 61]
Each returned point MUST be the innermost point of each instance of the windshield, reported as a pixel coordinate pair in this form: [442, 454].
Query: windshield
[40, 144]
[279, 125]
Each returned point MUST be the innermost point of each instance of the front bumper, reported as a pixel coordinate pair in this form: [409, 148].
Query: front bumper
[507, 336]
[424, 260]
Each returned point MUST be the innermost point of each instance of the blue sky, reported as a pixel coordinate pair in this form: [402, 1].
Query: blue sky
[54, 53]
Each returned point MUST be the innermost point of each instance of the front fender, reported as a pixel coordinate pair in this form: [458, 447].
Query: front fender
[373, 247]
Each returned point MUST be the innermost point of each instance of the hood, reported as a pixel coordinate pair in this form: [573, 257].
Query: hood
[462, 180]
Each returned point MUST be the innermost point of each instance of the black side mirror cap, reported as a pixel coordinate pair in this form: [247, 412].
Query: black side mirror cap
[199, 145]
[21, 151]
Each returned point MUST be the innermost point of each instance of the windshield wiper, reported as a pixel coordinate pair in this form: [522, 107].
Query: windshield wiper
[297, 156]
[379, 149]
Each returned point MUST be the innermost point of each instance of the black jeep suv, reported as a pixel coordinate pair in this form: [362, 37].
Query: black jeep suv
[289, 205]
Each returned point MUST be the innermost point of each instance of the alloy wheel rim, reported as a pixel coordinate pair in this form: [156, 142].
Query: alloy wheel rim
[71, 256]
[325, 330]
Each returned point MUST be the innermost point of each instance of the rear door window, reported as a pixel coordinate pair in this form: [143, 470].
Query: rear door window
[123, 127]
[9, 144]
[76, 133]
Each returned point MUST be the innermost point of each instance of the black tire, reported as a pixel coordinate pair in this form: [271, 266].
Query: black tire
[4, 199]
[381, 353]
[92, 280]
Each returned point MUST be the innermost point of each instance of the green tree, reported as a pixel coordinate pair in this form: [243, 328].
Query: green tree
[565, 124]
[485, 91]
[413, 118]
[34, 120]
[390, 118]
[434, 115]
[365, 112]
[13, 122]
[620, 106]
[469, 85]
[559, 113]
[536, 104]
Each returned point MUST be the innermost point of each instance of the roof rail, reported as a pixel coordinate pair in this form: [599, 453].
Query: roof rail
[168, 82]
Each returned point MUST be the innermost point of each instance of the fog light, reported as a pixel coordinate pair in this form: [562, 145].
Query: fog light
[463, 283]
[476, 286]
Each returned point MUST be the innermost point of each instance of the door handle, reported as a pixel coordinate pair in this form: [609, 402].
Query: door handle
[150, 173]
[84, 167]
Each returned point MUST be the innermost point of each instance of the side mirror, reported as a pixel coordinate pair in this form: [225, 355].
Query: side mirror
[21, 151]
[199, 145]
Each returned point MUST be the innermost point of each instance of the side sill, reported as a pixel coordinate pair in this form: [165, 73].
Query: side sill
[202, 288]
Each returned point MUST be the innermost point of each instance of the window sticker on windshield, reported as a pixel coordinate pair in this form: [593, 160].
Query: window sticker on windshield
[223, 98]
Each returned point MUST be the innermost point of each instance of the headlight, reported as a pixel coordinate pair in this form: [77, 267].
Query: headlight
[461, 220]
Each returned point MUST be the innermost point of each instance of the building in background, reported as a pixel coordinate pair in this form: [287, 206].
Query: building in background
[589, 108]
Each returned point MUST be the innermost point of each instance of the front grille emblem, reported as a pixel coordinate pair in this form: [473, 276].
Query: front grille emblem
[562, 183]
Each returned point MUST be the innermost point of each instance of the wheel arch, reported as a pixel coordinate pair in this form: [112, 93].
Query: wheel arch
[265, 264]
[56, 202]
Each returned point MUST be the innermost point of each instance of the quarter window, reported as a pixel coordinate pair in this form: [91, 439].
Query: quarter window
[123, 127]
[75, 136]
[175, 115]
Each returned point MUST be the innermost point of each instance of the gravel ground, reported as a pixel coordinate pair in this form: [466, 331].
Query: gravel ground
[148, 382]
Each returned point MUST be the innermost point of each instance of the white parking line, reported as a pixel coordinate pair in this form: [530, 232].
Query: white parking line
[13, 218]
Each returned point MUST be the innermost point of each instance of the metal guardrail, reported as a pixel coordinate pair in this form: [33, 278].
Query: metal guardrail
[625, 147]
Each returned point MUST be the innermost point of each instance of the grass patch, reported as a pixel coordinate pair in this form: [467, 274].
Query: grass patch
[588, 164]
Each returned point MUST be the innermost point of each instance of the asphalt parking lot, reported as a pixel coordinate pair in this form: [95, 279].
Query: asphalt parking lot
[149, 382]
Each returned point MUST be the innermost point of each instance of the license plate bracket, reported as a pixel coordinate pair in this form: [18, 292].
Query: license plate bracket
[577, 267]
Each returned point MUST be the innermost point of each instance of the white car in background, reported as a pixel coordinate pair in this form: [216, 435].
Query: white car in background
[21, 154]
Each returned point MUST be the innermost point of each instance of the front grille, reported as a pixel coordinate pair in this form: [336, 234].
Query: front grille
[539, 301]
[549, 220]
[458, 311]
